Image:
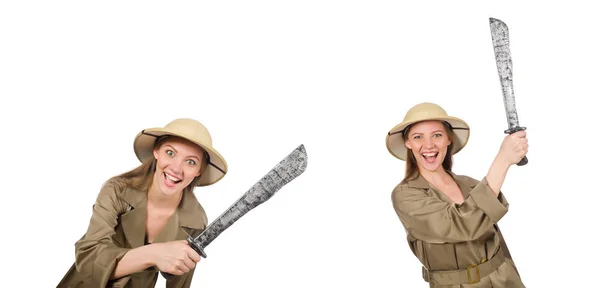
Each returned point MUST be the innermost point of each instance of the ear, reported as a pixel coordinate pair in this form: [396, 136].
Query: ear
[155, 153]
[408, 144]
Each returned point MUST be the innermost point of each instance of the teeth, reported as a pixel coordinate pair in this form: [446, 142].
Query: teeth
[429, 154]
[171, 178]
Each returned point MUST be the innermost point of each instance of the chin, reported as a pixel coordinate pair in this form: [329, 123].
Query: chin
[431, 168]
[169, 191]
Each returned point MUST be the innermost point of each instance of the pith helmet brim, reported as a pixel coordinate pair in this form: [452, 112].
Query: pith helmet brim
[192, 131]
[424, 112]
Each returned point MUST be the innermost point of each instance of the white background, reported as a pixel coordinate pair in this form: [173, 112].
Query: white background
[78, 80]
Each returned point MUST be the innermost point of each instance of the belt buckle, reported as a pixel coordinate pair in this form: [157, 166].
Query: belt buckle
[473, 281]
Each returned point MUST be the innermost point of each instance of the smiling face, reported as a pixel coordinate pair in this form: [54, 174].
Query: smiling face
[428, 141]
[178, 163]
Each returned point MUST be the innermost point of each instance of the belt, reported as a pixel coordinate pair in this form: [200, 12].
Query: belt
[472, 274]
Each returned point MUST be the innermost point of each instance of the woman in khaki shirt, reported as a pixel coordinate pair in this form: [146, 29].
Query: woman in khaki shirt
[141, 218]
[451, 220]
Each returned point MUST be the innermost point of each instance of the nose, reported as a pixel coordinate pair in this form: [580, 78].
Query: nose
[428, 143]
[176, 166]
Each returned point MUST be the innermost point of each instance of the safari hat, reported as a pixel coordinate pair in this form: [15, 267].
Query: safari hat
[423, 112]
[191, 130]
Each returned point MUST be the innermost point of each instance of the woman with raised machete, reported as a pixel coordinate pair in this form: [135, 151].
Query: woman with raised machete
[451, 220]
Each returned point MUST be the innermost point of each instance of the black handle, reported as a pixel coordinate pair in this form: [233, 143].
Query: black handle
[523, 161]
[196, 246]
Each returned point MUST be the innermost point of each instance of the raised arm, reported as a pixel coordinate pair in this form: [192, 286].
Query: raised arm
[433, 220]
[514, 147]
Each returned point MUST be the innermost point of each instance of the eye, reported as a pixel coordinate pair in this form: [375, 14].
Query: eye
[417, 137]
[437, 135]
[170, 153]
[191, 162]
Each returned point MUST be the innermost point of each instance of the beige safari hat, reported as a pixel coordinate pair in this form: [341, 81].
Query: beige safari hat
[423, 112]
[190, 130]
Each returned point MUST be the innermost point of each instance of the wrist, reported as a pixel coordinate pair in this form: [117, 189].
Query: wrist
[151, 255]
[502, 163]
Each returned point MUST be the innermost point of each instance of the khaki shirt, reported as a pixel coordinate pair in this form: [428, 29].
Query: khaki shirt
[448, 236]
[118, 224]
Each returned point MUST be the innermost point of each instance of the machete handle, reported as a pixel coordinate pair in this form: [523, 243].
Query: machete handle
[523, 161]
[196, 246]
[193, 243]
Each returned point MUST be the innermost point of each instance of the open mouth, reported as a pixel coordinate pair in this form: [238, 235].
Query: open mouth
[430, 157]
[170, 180]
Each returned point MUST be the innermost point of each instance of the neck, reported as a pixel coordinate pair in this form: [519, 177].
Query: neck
[435, 177]
[160, 200]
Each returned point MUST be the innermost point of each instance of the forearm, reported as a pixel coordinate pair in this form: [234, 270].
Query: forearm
[135, 260]
[497, 174]
[434, 220]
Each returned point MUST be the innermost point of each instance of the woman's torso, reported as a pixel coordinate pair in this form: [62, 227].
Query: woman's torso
[452, 253]
[130, 208]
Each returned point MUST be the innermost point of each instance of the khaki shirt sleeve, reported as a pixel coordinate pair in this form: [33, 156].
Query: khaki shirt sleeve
[433, 220]
[96, 255]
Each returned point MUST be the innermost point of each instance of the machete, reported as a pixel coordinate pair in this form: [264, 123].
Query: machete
[284, 172]
[500, 40]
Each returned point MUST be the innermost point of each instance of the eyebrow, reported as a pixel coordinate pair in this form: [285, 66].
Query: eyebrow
[171, 147]
[192, 156]
[436, 131]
